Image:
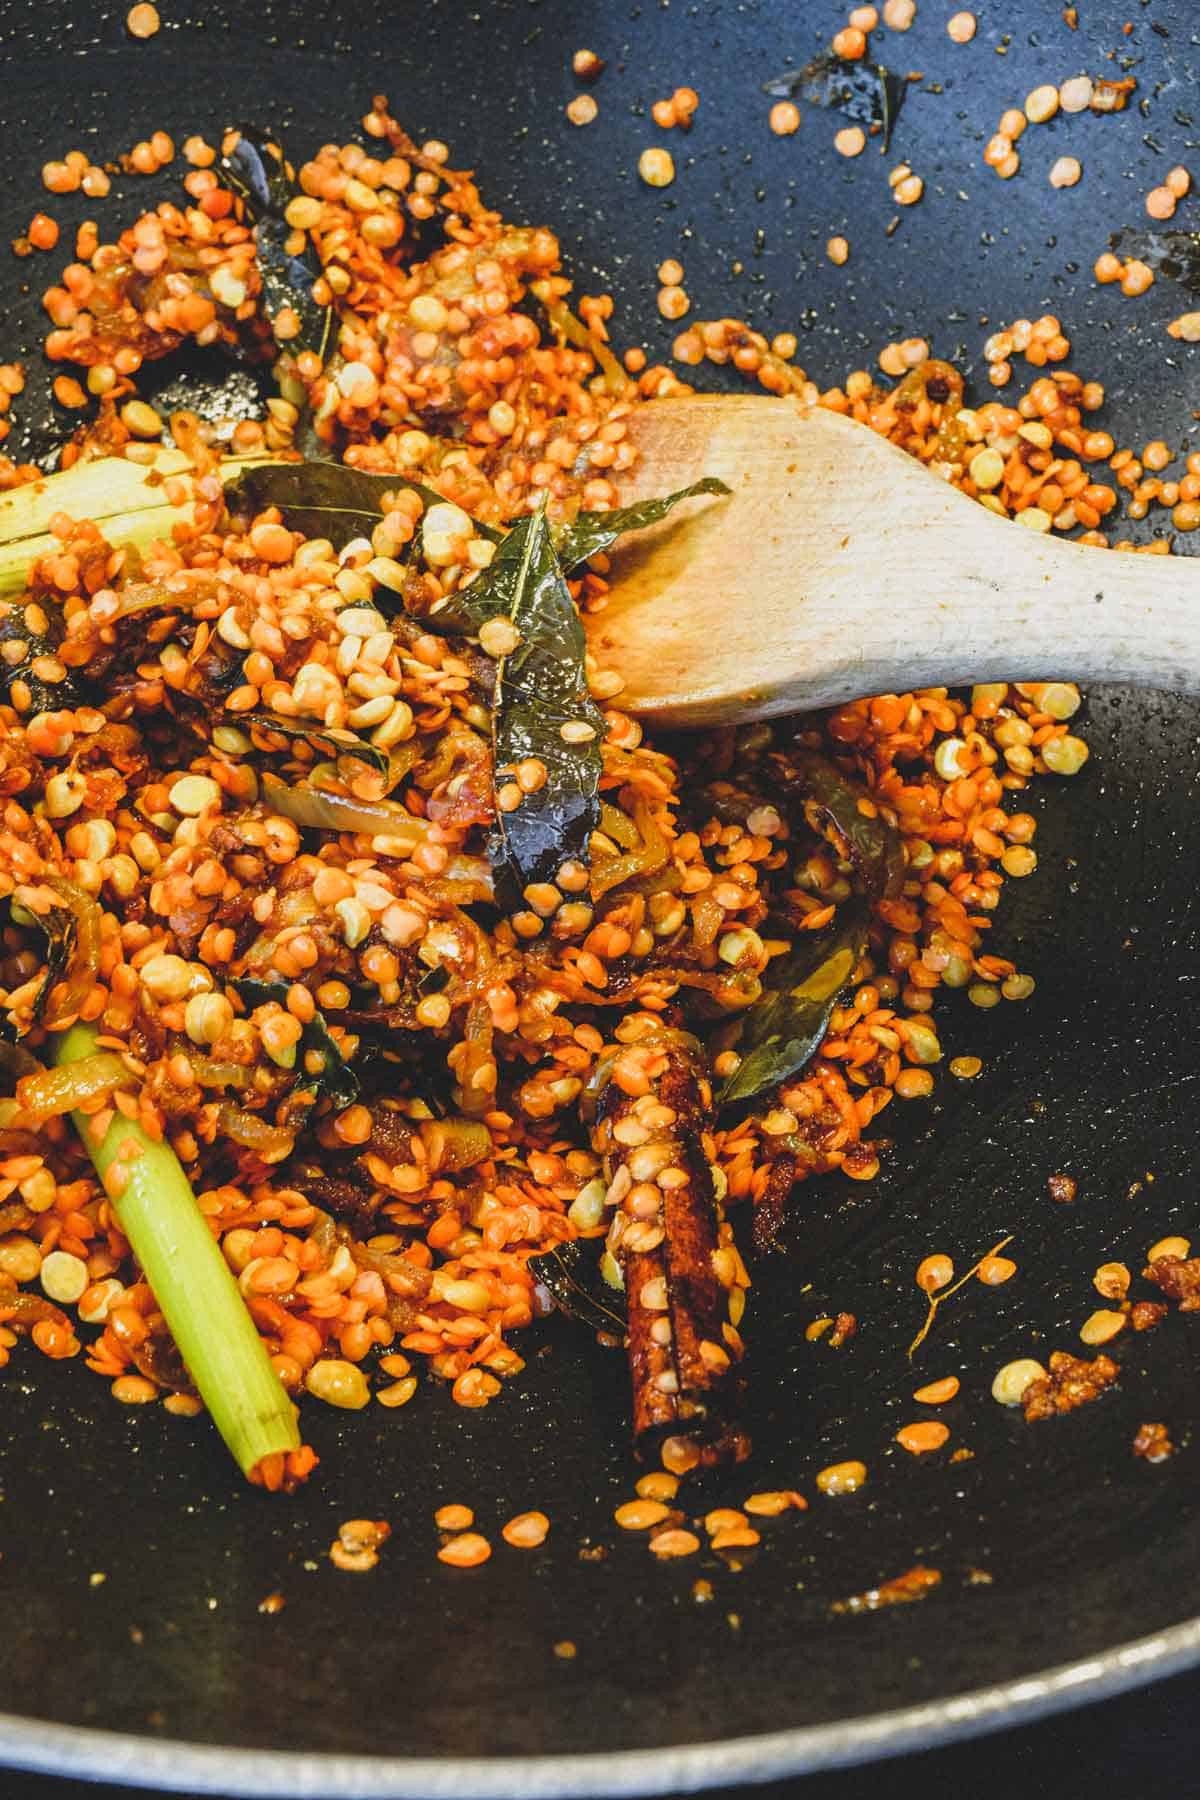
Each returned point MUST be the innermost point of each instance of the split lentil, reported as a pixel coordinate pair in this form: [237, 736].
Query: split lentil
[924, 1436]
[936, 1393]
[1014, 1380]
[656, 167]
[842, 1478]
[1102, 1325]
[142, 21]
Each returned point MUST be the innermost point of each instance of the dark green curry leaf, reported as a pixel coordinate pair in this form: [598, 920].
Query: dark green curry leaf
[334, 1079]
[571, 1271]
[56, 928]
[256, 172]
[495, 593]
[868, 93]
[541, 694]
[326, 499]
[334, 743]
[784, 1029]
[593, 532]
[875, 847]
[1173, 254]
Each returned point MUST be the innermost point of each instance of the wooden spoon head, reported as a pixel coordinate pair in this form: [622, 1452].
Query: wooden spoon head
[743, 607]
[707, 609]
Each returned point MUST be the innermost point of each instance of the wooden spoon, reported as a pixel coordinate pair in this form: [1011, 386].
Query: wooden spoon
[841, 567]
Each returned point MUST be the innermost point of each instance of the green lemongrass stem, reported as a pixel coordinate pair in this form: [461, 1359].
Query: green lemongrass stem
[192, 1284]
[124, 499]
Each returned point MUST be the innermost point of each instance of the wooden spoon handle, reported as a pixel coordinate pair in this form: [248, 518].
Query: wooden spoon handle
[972, 597]
[841, 567]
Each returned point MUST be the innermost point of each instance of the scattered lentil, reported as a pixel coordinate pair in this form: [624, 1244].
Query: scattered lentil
[1100, 1326]
[1112, 1280]
[674, 1542]
[842, 1478]
[466, 1551]
[924, 1436]
[936, 1393]
[1041, 104]
[1014, 1380]
[526, 1531]
[993, 1271]
[656, 167]
[142, 21]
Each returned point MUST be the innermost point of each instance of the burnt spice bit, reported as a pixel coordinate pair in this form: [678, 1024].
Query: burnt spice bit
[1178, 1278]
[915, 1584]
[1153, 1443]
[1071, 1382]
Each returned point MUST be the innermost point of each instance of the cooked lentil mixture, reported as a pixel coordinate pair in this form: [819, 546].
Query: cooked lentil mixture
[250, 784]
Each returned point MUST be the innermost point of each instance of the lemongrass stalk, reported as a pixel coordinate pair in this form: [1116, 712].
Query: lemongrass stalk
[192, 1285]
[125, 499]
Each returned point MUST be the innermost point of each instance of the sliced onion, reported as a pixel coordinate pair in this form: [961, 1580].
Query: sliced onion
[647, 858]
[564, 321]
[71, 1087]
[455, 1144]
[270, 1142]
[70, 993]
[207, 1073]
[318, 810]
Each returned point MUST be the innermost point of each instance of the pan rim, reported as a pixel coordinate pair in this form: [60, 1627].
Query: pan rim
[90, 1754]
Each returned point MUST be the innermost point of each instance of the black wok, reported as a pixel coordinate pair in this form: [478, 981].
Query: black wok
[419, 1680]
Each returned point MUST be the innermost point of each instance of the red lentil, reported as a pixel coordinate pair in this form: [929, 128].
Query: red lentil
[465, 1552]
[924, 1436]
[526, 1531]
[936, 1393]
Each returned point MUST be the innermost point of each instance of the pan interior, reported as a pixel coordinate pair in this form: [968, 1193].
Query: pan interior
[133, 1567]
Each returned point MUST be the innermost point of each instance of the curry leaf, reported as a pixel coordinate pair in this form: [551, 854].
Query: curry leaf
[783, 1030]
[866, 92]
[334, 743]
[494, 594]
[57, 930]
[258, 175]
[592, 532]
[571, 1271]
[542, 709]
[334, 1078]
[326, 499]
[875, 846]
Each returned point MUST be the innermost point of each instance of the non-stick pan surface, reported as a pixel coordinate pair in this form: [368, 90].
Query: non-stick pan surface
[133, 1561]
